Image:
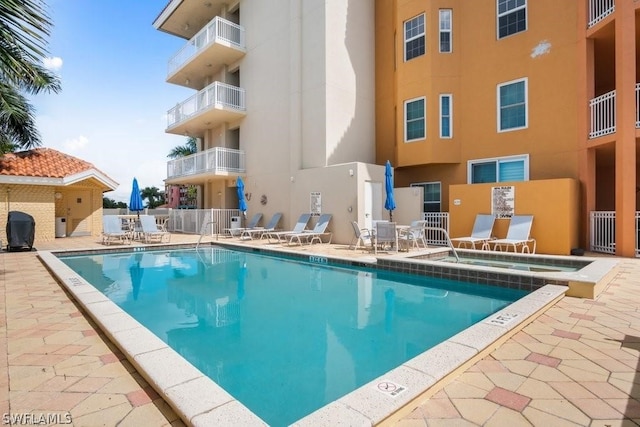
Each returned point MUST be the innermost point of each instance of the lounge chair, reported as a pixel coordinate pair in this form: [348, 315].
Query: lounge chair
[518, 235]
[150, 231]
[310, 236]
[386, 234]
[251, 225]
[112, 230]
[280, 236]
[261, 231]
[361, 236]
[481, 233]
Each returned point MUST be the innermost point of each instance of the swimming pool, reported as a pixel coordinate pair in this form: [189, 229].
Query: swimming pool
[328, 329]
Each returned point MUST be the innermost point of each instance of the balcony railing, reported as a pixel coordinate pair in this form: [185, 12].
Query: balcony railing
[219, 30]
[603, 114]
[217, 95]
[600, 9]
[212, 161]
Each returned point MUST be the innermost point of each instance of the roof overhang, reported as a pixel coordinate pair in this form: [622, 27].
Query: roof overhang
[108, 183]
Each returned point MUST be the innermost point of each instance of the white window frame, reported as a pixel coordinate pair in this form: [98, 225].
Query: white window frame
[422, 186]
[524, 80]
[417, 36]
[424, 118]
[445, 30]
[498, 160]
[449, 117]
[508, 12]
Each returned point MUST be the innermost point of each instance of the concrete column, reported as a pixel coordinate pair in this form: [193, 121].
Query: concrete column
[625, 174]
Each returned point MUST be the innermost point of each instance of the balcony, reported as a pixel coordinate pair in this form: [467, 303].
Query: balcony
[218, 161]
[220, 42]
[215, 104]
[600, 9]
[603, 113]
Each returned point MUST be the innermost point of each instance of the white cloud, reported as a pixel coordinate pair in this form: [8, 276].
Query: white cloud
[75, 144]
[53, 64]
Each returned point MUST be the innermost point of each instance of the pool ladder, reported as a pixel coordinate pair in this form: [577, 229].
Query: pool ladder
[446, 236]
[203, 229]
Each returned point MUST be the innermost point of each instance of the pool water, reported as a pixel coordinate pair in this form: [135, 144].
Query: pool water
[286, 337]
[511, 265]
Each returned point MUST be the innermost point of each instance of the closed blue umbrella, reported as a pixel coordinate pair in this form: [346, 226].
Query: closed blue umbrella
[242, 204]
[135, 201]
[389, 203]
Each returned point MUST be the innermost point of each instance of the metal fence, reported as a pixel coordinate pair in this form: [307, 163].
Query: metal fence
[603, 232]
[439, 220]
[191, 221]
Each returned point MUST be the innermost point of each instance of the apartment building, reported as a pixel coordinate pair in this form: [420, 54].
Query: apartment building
[539, 97]
[284, 98]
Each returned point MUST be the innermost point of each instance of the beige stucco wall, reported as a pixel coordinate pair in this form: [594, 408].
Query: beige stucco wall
[553, 203]
[40, 202]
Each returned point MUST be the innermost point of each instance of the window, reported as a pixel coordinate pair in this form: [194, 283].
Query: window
[512, 17]
[445, 31]
[432, 195]
[414, 118]
[446, 101]
[414, 38]
[512, 105]
[503, 169]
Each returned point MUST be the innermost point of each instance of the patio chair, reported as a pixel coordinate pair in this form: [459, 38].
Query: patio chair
[281, 236]
[413, 236]
[361, 236]
[112, 230]
[518, 235]
[481, 233]
[261, 231]
[386, 234]
[251, 225]
[310, 236]
[150, 231]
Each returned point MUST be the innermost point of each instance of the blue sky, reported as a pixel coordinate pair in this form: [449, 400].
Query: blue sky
[112, 108]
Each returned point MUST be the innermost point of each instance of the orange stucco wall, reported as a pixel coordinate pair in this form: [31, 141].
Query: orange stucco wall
[553, 203]
[545, 54]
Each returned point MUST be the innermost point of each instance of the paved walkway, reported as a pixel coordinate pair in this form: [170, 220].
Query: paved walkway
[576, 364]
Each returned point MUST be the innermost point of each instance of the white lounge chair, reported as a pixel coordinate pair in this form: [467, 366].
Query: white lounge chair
[518, 235]
[261, 231]
[310, 236]
[251, 225]
[481, 233]
[361, 236]
[413, 236]
[112, 230]
[150, 230]
[281, 236]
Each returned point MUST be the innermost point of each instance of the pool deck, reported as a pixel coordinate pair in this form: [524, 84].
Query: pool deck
[575, 364]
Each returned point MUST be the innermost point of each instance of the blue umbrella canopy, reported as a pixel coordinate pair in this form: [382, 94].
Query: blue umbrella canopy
[389, 202]
[242, 204]
[135, 201]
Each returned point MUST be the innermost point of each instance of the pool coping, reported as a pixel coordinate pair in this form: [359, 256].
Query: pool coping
[198, 400]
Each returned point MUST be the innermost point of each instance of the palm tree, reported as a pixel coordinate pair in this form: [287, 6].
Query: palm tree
[184, 150]
[23, 28]
[153, 194]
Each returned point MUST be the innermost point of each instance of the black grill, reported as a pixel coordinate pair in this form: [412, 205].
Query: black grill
[21, 229]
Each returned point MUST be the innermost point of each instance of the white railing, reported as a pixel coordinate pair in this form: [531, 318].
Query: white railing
[214, 160]
[600, 9]
[638, 105]
[603, 232]
[219, 30]
[218, 95]
[603, 114]
[436, 220]
[190, 221]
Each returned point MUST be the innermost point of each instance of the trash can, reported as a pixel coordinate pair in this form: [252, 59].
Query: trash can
[61, 227]
[235, 222]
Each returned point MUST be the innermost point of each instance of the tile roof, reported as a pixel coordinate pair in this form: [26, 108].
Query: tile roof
[42, 162]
